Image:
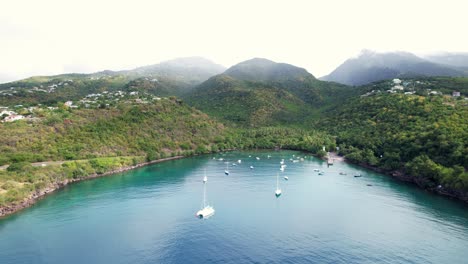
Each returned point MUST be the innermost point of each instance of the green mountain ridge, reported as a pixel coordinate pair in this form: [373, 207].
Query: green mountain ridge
[261, 92]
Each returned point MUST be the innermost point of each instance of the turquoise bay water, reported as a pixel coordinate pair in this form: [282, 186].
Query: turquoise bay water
[148, 216]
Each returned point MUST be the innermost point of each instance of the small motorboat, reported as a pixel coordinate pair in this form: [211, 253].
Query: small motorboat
[357, 175]
[251, 167]
[286, 177]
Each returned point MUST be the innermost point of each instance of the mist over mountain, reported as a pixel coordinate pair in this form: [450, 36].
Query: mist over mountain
[454, 59]
[371, 66]
[190, 69]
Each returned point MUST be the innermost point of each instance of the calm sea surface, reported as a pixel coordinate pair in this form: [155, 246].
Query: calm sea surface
[148, 216]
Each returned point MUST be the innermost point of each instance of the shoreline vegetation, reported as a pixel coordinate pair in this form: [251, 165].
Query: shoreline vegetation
[42, 193]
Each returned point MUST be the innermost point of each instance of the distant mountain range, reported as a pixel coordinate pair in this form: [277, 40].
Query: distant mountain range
[370, 66]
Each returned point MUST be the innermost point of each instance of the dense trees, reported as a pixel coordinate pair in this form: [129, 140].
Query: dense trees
[426, 136]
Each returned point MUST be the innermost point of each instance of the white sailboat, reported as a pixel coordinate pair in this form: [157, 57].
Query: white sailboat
[206, 210]
[278, 190]
[226, 171]
[205, 179]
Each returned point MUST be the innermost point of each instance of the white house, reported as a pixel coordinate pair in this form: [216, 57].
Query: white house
[396, 81]
[8, 113]
[455, 94]
[68, 103]
[12, 118]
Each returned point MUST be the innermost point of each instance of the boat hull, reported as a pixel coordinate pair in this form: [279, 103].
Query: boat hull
[205, 212]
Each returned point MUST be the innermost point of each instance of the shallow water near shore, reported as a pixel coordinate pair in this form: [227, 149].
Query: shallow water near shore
[148, 216]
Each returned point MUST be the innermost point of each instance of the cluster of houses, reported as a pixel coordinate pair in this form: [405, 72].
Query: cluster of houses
[406, 87]
[108, 98]
[41, 88]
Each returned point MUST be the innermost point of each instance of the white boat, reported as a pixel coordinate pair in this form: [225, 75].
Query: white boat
[286, 177]
[226, 171]
[278, 190]
[316, 170]
[282, 168]
[205, 178]
[257, 158]
[251, 167]
[282, 162]
[239, 161]
[269, 156]
[321, 173]
[206, 210]
[294, 161]
[220, 159]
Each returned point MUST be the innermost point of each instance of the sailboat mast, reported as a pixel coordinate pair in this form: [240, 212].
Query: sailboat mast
[204, 195]
[277, 184]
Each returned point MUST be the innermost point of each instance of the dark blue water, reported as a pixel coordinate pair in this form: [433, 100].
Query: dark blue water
[148, 216]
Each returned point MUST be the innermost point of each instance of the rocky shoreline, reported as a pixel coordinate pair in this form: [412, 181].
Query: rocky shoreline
[10, 209]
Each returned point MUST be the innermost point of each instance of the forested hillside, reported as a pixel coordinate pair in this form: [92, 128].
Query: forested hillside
[423, 136]
[261, 92]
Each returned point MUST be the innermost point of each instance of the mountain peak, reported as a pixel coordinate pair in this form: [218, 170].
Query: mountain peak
[260, 69]
[370, 66]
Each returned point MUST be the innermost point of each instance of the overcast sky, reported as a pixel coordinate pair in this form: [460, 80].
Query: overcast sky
[56, 36]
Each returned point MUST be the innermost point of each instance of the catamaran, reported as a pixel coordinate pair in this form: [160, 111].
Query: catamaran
[278, 190]
[206, 210]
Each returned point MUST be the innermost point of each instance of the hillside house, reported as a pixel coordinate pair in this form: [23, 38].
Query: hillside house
[12, 118]
[455, 93]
